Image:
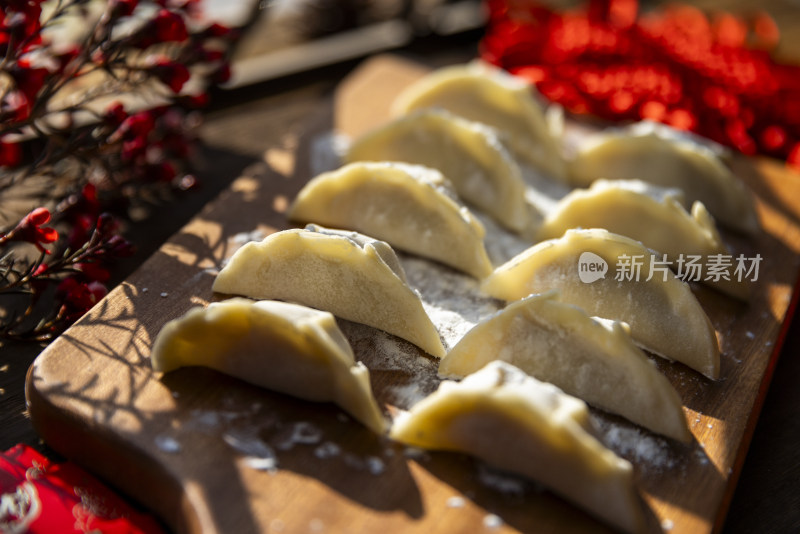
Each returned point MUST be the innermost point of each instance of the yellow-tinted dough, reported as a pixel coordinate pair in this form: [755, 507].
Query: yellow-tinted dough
[591, 359]
[280, 346]
[480, 92]
[654, 216]
[469, 154]
[628, 209]
[517, 423]
[350, 275]
[663, 313]
[685, 165]
[408, 206]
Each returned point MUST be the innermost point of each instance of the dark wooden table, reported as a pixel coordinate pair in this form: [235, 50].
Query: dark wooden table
[244, 122]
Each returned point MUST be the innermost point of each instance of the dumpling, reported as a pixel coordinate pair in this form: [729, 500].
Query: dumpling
[654, 216]
[591, 359]
[668, 162]
[348, 274]
[617, 278]
[519, 424]
[469, 154]
[628, 209]
[483, 93]
[408, 206]
[280, 346]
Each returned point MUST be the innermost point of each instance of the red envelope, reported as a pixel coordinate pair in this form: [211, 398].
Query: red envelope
[40, 497]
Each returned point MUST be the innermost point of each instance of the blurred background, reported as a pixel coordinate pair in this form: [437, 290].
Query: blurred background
[286, 36]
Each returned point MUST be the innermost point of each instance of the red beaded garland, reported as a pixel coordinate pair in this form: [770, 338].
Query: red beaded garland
[712, 75]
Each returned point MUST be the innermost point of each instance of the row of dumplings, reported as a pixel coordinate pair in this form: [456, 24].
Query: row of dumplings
[499, 413]
[407, 186]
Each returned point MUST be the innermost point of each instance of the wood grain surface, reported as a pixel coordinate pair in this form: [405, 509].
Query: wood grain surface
[191, 445]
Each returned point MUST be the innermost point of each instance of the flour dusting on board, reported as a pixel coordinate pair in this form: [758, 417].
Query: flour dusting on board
[299, 433]
[257, 454]
[411, 374]
[168, 444]
[502, 482]
[452, 300]
[327, 152]
[648, 451]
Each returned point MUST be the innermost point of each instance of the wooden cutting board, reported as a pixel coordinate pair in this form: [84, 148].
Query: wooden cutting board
[211, 454]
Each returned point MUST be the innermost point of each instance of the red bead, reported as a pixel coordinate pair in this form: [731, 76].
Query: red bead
[681, 119]
[653, 110]
[621, 102]
[794, 157]
[773, 138]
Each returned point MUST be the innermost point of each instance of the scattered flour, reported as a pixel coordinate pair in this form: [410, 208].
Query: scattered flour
[637, 445]
[168, 444]
[456, 502]
[299, 433]
[452, 300]
[506, 483]
[209, 420]
[375, 465]
[242, 238]
[501, 245]
[492, 521]
[327, 449]
[372, 464]
[413, 373]
[257, 454]
[415, 453]
[327, 151]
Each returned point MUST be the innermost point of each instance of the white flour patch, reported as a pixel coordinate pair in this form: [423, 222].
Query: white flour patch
[456, 502]
[492, 521]
[452, 300]
[505, 483]
[327, 152]
[413, 374]
[501, 245]
[168, 444]
[299, 433]
[639, 446]
[242, 238]
[257, 454]
[327, 449]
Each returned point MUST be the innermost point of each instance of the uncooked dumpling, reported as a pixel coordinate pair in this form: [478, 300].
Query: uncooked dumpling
[519, 424]
[480, 92]
[591, 359]
[628, 209]
[617, 278]
[667, 162]
[469, 154]
[408, 206]
[654, 216]
[348, 274]
[280, 346]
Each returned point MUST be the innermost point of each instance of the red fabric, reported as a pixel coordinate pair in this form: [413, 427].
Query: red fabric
[39, 497]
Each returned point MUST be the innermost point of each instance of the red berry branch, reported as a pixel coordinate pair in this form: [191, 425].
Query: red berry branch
[710, 74]
[89, 131]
